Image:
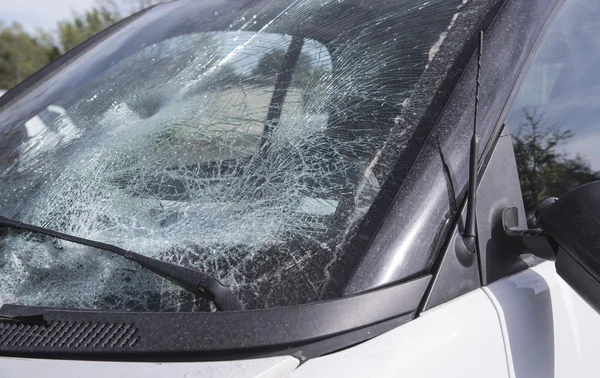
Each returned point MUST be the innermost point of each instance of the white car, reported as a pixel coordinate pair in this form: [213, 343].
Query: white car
[314, 188]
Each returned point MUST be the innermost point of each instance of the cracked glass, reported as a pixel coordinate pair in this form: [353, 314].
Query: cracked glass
[241, 139]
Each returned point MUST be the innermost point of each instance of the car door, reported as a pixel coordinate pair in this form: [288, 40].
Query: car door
[549, 330]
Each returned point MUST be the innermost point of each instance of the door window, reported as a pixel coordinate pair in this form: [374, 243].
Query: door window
[555, 118]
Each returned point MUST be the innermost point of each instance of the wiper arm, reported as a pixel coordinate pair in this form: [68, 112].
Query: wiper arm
[189, 279]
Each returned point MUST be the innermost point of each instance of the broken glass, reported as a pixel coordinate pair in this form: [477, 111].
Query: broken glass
[246, 150]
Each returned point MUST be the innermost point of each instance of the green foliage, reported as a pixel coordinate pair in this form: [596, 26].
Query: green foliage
[83, 26]
[21, 54]
[543, 170]
[104, 14]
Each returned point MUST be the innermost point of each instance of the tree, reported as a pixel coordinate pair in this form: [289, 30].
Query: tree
[21, 54]
[83, 26]
[104, 14]
[543, 170]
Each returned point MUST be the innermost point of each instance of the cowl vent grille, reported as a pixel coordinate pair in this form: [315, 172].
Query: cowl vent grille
[67, 334]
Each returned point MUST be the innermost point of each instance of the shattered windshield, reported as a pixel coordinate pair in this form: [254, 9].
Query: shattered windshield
[238, 139]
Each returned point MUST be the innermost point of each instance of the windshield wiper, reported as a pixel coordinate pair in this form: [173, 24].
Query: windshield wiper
[189, 279]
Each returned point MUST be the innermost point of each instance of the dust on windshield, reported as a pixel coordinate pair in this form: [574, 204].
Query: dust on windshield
[247, 155]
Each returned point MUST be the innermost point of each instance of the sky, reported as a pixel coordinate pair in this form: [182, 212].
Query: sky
[33, 14]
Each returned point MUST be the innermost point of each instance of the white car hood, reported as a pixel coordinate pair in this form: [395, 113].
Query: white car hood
[259, 368]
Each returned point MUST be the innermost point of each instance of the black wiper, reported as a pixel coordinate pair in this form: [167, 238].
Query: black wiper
[189, 279]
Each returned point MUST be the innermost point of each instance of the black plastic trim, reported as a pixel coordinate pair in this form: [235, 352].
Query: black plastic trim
[347, 340]
[457, 274]
[579, 278]
[409, 239]
[499, 254]
[510, 36]
[452, 277]
[214, 336]
[501, 257]
[458, 271]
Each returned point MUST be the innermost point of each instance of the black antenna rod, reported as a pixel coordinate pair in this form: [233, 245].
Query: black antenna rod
[470, 233]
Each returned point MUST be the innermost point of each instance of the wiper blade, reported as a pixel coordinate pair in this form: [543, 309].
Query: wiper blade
[191, 280]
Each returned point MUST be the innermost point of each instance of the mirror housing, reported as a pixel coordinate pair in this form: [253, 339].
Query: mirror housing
[573, 221]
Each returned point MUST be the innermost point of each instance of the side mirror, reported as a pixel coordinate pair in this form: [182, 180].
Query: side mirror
[573, 221]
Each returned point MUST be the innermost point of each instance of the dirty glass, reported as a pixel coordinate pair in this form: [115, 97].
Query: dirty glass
[554, 118]
[238, 139]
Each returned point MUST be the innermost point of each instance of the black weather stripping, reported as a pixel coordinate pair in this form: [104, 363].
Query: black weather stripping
[189, 279]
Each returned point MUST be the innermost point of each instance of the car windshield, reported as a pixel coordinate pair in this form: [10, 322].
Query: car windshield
[237, 138]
